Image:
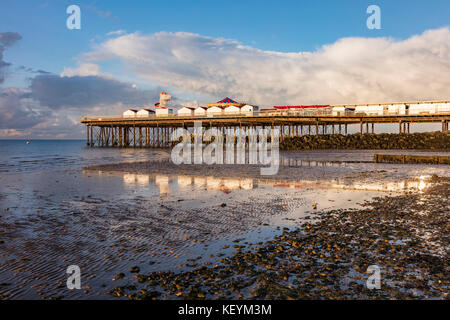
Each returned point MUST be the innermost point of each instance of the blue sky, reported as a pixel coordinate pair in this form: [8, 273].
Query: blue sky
[286, 26]
[272, 29]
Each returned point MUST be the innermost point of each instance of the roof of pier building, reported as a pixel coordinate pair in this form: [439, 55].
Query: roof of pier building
[302, 106]
[225, 103]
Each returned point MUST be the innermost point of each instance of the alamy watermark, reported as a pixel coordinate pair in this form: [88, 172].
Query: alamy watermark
[74, 278]
[228, 146]
[374, 20]
[74, 20]
[374, 280]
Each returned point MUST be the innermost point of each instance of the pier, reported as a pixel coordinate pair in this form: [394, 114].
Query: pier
[155, 131]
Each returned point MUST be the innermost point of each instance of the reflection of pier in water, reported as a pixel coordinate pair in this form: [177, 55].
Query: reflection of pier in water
[228, 184]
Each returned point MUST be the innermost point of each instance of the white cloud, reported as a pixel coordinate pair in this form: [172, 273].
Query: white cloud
[116, 33]
[351, 70]
[84, 69]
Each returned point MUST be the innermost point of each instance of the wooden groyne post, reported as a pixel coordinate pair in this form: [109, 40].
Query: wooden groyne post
[401, 158]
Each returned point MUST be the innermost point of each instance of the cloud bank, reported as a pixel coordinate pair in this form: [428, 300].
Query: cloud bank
[87, 92]
[7, 39]
[51, 105]
[350, 70]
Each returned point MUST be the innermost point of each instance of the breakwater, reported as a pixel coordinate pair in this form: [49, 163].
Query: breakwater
[398, 158]
[418, 141]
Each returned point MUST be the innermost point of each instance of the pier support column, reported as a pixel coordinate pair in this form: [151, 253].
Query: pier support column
[444, 126]
[87, 135]
[126, 136]
[100, 137]
[166, 134]
[92, 136]
[112, 135]
[146, 137]
[400, 127]
[169, 130]
[153, 137]
[271, 140]
[157, 136]
[373, 128]
[150, 137]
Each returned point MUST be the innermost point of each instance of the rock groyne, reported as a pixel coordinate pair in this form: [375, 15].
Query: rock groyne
[417, 141]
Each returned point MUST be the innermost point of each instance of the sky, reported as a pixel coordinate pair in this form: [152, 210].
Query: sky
[260, 52]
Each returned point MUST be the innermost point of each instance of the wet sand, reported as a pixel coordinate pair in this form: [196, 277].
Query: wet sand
[327, 257]
[110, 219]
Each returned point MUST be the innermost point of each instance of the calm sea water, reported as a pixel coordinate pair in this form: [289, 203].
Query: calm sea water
[17, 156]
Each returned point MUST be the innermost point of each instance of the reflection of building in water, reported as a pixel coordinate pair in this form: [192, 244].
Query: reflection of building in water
[143, 179]
[390, 186]
[162, 181]
[200, 181]
[131, 179]
[246, 184]
[213, 183]
[184, 181]
[419, 185]
[231, 183]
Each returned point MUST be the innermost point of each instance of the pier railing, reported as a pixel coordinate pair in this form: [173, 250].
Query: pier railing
[298, 113]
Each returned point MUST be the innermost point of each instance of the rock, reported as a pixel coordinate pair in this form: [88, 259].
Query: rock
[118, 276]
[134, 269]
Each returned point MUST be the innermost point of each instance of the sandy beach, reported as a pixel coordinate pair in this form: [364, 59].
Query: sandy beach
[326, 257]
[152, 229]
